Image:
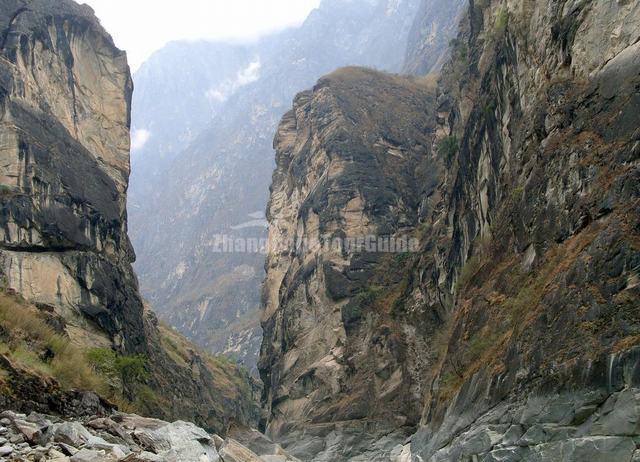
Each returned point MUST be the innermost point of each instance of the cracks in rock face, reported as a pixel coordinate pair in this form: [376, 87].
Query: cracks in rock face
[12, 21]
[41, 249]
[64, 47]
[564, 31]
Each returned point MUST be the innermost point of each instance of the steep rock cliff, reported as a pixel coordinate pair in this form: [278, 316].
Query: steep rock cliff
[65, 93]
[435, 25]
[353, 161]
[514, 330]
[540, 254]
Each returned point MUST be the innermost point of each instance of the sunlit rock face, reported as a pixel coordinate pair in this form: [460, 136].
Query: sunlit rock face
[354, 159]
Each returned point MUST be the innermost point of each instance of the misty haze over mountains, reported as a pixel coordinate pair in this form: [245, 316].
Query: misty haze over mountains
[453, 256]
[204, 115]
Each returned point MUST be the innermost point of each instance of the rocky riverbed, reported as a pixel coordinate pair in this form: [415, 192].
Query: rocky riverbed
[125, 437]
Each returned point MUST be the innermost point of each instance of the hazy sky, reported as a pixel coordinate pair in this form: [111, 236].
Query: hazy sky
[143, 26]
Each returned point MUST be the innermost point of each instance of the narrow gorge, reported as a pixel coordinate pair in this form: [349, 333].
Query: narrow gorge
[453, 270]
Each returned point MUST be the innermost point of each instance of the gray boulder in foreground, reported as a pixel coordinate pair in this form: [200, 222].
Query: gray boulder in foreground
[126, 437]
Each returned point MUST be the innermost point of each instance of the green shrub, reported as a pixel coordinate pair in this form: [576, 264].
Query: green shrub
[369, 295]
[517, 194]
[479, 344]
[448, 148]
[489, 109]
[33, 345]
[103, 360]
[128, 372]
[6, 190]
[502, 22]
[402, 258]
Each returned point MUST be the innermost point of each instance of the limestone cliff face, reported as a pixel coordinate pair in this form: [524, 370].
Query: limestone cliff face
[514, 330]
[65, 94]
[540, 255]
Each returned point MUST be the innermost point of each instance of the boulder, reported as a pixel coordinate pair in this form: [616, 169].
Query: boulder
[401, 453]
[111, 428]
[55, 454]
[592, 449]
[32, 432]
[68, 450]
[71, 433]
[513, 434]
[511, 454]
[89, 455]
[143, 456]
[256, 442]
[619, 416]
[232, 451]
[177, 441]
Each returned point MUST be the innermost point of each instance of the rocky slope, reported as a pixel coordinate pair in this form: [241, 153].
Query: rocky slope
[218, 183]
[512, 333]
[125, 437]
[65, 97]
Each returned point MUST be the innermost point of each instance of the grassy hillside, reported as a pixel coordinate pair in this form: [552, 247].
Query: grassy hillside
[37, 355]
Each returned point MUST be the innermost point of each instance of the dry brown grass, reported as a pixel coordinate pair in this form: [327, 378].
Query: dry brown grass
[517, 310]
[34, 346]
[429, 81]
[626, 343]
[228, 377]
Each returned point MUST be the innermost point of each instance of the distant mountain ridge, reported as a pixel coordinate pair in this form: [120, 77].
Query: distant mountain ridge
[188, 187]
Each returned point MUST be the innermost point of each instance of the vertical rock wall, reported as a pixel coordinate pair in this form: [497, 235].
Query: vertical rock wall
[65, 97]
[516, 325]
[346, 170]
[66, 93]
